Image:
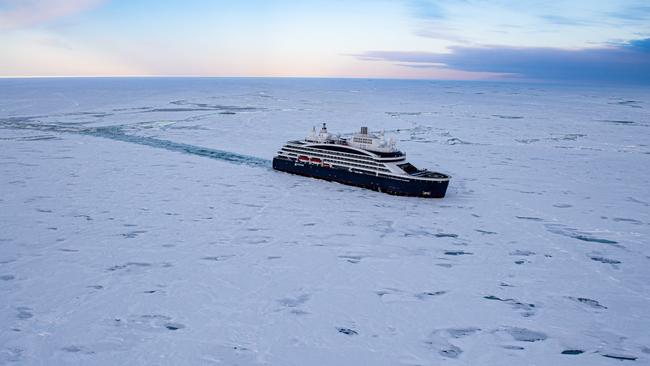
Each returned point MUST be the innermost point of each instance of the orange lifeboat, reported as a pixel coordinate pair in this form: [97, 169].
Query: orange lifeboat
[316, 160]
[303, 158]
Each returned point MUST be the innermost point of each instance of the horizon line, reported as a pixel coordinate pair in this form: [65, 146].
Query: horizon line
[508, 81]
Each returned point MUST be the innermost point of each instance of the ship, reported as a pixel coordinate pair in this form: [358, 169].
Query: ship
[365, 160]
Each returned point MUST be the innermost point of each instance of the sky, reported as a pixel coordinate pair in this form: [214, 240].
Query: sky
[580, 41]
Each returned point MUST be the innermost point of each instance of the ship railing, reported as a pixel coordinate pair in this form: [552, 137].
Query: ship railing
[425, 173]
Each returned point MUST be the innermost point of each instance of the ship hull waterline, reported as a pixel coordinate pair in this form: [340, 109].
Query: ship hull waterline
[403, 187]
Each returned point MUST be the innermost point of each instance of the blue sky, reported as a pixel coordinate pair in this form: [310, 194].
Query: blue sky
[569, 41]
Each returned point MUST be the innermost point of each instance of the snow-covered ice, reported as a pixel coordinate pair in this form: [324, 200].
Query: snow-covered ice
[141, 223]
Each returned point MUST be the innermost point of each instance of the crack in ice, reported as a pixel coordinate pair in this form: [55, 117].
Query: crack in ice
[116, 133]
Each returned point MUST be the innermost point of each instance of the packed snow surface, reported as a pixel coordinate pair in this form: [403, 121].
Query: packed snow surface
[141, 223]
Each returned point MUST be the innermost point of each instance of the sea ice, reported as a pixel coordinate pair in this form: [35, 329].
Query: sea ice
[141, 223]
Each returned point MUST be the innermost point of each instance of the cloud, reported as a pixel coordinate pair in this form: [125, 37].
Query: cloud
[41, 53]
[426, 9]
[624, 63]
[441, 33]
[25, 13]
[632, 13]
[567, 21]
[640, 45]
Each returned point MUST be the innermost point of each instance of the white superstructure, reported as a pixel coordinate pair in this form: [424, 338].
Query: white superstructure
[363, 152]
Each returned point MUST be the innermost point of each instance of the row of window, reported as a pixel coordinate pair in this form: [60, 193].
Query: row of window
[362, 140]
[367, 158]
[337, 160]
[322, 154]
[383, 157]
[345, 165]
[393, 177]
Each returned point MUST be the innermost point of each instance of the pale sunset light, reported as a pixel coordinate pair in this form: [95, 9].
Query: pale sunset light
[420, 39]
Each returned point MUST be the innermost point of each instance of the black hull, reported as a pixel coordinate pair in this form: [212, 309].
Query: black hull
[400, 187]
